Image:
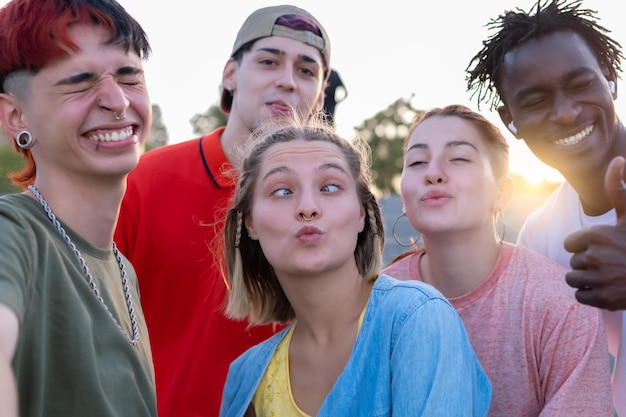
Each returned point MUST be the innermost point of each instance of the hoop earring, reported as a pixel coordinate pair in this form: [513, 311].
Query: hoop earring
[395, 237]
[24, 139]
[500, 214]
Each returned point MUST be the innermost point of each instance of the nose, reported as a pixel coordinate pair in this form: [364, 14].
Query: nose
[286, 79]
[434, 179]
[308, 209]
[435, 174]
[111, 96]
[565, 109]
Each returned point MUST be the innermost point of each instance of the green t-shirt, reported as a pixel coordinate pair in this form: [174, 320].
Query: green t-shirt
[71, 357]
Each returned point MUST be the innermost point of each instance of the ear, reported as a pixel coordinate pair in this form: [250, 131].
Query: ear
[506, 188]
[11, 116]
[505, 116]
[319, 104]
[362, 217]
[249, 228]
[613, 88]
[228, 75]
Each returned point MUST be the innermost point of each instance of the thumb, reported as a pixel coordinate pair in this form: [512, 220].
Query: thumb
[616, 188]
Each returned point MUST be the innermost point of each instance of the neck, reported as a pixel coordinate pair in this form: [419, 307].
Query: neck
[453, 265]
[233, 138]
[326, 305]
[590, 185]
[591, 193]
[89, 210]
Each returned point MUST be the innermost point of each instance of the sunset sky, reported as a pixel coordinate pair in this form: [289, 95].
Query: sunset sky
[383, 52]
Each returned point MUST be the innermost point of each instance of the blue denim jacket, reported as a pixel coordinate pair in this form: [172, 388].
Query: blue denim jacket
[412, 357]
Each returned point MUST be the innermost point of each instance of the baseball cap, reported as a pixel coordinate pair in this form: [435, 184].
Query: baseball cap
[262, 24]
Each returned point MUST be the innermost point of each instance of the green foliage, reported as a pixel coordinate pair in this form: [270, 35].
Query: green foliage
[158, 132]
[385, 133]
[10, 161]
[208, 121]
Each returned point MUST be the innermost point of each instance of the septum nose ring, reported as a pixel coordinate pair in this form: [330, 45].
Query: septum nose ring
[307, 219]
[119, 117]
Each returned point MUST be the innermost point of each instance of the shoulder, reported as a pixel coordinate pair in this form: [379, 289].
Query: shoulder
[405, 296]
[18, 209]
[412, 311]
[531, 260]
[158, 156]
[541, 281]
[537, 270]
[260, 353]
[402, 269]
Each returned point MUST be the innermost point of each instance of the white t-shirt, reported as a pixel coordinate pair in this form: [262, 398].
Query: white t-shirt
[544, 231]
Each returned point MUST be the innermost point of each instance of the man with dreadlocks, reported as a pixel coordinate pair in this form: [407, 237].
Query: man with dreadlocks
[552, 74]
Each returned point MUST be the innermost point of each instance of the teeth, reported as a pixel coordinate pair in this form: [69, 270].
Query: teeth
[113, 136]
[573, 140]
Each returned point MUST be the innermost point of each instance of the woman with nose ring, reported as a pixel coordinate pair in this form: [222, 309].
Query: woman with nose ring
[303, 245]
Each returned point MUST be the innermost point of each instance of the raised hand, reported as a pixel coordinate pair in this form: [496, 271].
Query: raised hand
[599, 252]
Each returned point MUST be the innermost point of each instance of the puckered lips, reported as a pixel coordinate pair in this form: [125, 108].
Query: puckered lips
[309, 234]
[435, 198]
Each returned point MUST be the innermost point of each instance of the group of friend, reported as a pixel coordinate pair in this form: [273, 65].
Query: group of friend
[241, 273]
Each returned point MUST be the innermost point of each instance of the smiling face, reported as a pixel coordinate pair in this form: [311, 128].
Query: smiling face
[447, 181]
[299, 180]
[275, 77]
[558, 97]
[69, 106]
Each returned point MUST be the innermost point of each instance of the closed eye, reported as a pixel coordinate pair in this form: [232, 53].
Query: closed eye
[416, 163]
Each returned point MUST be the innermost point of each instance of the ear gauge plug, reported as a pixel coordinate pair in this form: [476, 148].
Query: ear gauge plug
[612, 87]
[512, 128]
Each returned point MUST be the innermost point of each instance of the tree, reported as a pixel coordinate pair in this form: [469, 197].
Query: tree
[208, 121]
[158, 132]
[385, 133]
[10, 161]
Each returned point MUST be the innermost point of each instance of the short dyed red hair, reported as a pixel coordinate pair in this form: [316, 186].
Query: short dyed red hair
[34, 33]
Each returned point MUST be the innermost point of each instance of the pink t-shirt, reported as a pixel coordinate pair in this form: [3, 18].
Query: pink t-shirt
[545, 354]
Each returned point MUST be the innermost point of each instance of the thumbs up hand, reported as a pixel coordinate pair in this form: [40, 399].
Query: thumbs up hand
[599, 252]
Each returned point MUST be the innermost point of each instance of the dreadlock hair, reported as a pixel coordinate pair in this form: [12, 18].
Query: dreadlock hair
[514, 28]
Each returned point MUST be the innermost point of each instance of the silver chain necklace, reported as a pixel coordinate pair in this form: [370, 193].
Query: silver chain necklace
[90, 280]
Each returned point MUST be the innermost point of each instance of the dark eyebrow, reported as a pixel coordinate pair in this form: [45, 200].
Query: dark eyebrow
[450, 144]
[276, 51]
[90, 76]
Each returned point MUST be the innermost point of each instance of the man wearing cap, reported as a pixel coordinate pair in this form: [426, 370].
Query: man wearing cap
[177, 196]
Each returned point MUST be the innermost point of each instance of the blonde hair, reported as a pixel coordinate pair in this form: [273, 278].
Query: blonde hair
[253, 288]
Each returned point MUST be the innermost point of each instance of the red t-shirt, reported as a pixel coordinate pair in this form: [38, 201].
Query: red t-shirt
[168, 223]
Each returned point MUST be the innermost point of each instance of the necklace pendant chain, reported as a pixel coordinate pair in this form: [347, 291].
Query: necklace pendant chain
[90, 281]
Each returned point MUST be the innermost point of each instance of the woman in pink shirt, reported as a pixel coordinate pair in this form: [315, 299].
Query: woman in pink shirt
[545, 354]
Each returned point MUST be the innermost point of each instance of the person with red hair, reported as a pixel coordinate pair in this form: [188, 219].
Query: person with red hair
[73, 96]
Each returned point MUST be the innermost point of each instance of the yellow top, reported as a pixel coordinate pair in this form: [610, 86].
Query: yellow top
[273, 396]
